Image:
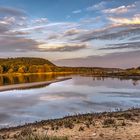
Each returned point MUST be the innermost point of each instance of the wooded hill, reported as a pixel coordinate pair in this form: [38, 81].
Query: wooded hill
[40, 65]
[25, 65]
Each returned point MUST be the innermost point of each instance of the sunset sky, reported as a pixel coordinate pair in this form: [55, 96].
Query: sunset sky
[72, 32]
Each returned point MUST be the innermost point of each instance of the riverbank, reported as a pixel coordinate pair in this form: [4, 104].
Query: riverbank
[110, 75]
[28, 74]
[31, 85]
[120, 125]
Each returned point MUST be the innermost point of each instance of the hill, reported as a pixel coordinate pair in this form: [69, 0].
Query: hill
[40, 65]
[25, 61]
[25, 65]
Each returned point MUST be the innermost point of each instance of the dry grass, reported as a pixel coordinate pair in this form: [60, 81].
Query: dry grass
[40, 137]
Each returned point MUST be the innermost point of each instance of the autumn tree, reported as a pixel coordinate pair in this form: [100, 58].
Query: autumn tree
[1, 69]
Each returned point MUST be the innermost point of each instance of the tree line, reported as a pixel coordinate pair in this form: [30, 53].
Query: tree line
[39, 65]
[25, 65]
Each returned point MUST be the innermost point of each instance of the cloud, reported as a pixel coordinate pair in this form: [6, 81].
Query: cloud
[20, 33]
[119, 10]
[7, 20]
[112, 60]
[128, 45]
[53, 36]
[62, 47]
[91, 20]
[12, 11]
[121, 35]
[18, 44]
[40, 21]
[13, 22]
[16, 33]
[77, 11]
[3, 28]
[127, 21]
[9, 24]
[21, 38]
[98, 6]
[71, 32]
[135, 38]
[50, 25]
[110, 33]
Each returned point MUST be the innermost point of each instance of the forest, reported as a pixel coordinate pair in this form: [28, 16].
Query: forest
[25, 65]
[40, 65]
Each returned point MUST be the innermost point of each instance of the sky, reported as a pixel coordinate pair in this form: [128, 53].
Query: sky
[97, 33]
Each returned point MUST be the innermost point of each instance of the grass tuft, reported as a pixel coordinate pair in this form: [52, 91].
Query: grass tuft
[108, 122]
[41, 137]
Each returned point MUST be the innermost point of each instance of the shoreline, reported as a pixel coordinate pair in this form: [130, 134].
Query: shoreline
[26, 74]
[31, 85]
[125, 76]
[122, 125]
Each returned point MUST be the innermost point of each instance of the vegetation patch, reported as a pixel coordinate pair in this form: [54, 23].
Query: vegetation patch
[41, 137]
[109, 122]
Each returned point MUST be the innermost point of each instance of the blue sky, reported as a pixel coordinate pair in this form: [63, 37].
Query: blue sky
[72, 32]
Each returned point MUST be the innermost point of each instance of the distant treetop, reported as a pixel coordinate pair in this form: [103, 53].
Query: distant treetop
[25, 61]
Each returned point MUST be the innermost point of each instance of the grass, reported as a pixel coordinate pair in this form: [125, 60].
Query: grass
[28, 134]
[108, 122]
[41, 137]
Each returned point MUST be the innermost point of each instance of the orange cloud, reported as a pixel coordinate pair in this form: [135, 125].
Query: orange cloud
[129, 21]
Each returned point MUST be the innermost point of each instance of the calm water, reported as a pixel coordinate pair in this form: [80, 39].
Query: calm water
[77, 95]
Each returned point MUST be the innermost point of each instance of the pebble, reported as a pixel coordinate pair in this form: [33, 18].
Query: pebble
[94, 134]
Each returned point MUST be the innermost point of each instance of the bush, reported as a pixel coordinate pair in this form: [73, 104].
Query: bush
[108, 122]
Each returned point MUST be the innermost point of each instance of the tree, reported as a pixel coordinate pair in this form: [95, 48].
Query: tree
[47, 68]
[22, 69]
[1, 69]
[32, 69]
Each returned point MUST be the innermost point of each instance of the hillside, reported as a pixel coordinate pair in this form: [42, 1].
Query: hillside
[25, 61]
[40, 65]
[25, 65]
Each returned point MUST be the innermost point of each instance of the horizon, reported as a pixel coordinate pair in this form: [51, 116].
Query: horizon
[68, 66]
[91, 33]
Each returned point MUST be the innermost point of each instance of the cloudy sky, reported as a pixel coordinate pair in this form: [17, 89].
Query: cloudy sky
[102, 33]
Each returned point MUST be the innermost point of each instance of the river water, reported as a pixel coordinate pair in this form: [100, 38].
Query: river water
[81, 94]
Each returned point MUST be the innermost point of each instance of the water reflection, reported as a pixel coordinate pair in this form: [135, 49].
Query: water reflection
[77, 95]
[19, 79]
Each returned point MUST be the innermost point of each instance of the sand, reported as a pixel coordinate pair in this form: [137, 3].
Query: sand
[120, 125]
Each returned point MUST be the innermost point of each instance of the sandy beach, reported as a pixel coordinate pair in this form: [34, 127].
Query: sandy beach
[120, 125]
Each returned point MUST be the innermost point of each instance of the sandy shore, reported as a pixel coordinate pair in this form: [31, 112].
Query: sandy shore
[121, 125]
[30, 85]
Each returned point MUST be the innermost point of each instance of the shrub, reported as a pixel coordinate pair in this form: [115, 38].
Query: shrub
[108, 122]
[41, 137]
